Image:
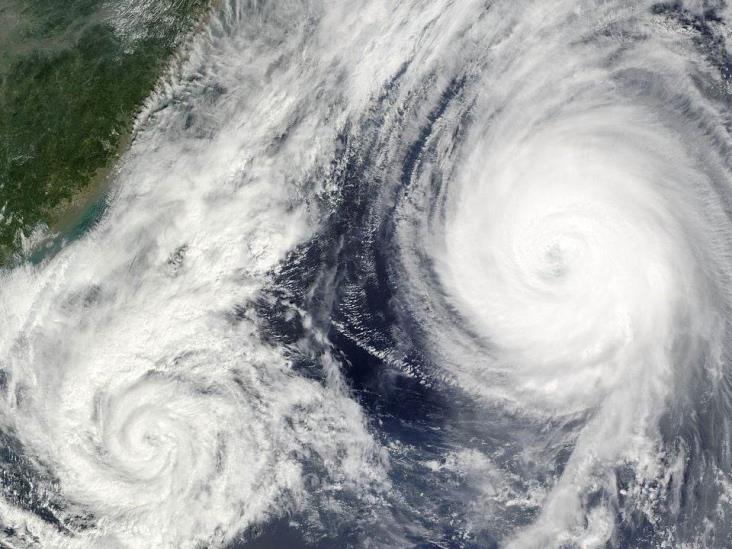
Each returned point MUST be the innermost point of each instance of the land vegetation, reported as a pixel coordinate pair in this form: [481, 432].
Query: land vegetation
[73, 74]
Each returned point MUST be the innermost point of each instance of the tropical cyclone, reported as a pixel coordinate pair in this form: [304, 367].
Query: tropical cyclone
[424, 272]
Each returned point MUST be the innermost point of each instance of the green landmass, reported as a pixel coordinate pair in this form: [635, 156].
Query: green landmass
[73, 74]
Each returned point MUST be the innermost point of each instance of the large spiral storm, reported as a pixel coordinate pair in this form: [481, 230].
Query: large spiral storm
[422, 273]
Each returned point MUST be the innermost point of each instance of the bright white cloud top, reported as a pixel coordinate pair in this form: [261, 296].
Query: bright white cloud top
[341, 218]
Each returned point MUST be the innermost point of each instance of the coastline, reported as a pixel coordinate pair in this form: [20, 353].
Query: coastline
[63, 163]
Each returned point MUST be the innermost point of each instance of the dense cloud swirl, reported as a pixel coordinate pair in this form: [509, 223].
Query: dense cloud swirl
[145, 406]
[580, 243]
[392, 274]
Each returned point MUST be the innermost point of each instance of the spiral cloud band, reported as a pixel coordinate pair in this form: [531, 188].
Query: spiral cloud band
[395, 274]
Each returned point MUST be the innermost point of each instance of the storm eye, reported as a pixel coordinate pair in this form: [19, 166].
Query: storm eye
[365, 273]
[555, 262]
